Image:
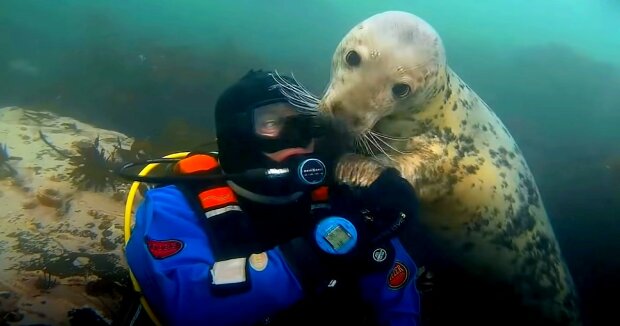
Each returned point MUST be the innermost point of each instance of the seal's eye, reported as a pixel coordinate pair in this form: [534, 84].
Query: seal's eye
[401, 90]
[353, 58]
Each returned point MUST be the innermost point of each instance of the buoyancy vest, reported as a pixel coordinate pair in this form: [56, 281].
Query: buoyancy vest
[235, 232]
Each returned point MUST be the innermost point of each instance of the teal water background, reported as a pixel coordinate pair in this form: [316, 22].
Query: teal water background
[550, 69]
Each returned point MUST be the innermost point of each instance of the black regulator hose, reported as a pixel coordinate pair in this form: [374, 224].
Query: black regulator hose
[197, 177]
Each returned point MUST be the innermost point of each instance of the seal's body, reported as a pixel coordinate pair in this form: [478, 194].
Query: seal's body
[483, 230]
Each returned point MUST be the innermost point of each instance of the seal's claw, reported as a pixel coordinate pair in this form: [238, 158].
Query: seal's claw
[358, 170]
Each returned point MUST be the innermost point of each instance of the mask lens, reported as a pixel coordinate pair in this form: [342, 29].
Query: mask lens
[269, 120]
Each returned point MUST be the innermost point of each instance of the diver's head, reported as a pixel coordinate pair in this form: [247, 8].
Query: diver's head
[257, 127]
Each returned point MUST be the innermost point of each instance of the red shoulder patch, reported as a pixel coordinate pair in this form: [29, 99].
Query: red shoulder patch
[399, 275]
[161, 249]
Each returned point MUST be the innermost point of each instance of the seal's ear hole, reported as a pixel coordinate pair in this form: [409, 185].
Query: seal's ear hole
[401, 90]
[353, 58]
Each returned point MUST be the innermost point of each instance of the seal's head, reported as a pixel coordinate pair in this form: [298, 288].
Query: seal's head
[263, 123]
[391, 63]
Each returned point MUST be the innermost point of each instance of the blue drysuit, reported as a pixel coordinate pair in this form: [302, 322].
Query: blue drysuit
[176, 279]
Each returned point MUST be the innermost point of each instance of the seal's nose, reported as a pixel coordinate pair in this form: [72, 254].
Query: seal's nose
[339, 111]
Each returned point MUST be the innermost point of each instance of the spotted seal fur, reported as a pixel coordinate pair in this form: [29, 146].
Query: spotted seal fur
[483, 229]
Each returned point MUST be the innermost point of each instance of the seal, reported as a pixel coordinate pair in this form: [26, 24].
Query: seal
[483, 230]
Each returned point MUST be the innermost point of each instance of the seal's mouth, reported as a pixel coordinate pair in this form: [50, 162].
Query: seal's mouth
[356, 125]
[367, 125]
[374, 142]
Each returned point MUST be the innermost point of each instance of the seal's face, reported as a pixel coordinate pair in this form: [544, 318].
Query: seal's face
[389, 64]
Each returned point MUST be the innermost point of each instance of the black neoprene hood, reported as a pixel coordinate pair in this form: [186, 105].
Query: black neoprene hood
[233, 119]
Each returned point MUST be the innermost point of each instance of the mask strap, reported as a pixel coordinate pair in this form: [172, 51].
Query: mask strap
[272, 200]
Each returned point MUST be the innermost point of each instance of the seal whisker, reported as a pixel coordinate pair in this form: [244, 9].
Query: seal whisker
[307, 93]
[387, 144]
[325, 89]
[359, 146]
[376, 133]
[367, 147]
[298, 95]
[295, 93]
[370, 145]
[374, 142]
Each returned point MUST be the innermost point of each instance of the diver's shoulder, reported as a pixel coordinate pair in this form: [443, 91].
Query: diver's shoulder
[167, 203]
[169, 193]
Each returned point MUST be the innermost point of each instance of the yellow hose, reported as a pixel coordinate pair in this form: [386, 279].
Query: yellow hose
[127, 227]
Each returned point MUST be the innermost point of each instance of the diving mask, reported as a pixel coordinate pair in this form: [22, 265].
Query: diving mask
[280, 126]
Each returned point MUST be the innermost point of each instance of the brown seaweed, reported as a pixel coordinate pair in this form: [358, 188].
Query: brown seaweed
[46, 282]
[92, 169]
[5, 168]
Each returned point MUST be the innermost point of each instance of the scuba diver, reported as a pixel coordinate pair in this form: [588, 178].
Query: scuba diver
[260, 233]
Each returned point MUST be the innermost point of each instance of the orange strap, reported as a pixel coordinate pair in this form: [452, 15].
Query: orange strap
[217, 197]
[196, 163]
[222, 196]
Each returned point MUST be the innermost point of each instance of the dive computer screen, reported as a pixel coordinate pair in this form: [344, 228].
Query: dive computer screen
[337, 237]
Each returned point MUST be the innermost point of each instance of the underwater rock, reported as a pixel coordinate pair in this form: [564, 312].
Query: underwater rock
[50, 198]
[45, 262]
[108, 244]
[81, 262]
[8, 301]
[30, 204]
